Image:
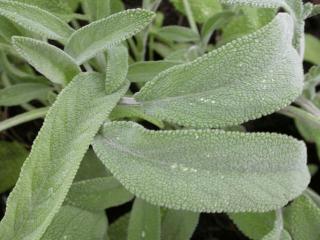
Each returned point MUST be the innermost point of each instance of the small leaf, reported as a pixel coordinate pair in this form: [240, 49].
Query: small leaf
[312, 49]
[22, 93]
[144, 221]
[86, 42]
[146, 71]
[68, 130]
[177, 34]
[12, 156]
[49, 60]
[179, 225]
[73, 223]
[204, 170]
[98, 194]
[36, 20]
[222, 89]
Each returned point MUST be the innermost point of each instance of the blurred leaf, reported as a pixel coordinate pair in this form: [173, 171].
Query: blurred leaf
[97, 9]
[8, 29]
[312, 50]
[119, 229]
[177, 34]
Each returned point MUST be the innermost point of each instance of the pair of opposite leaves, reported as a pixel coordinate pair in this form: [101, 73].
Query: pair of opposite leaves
[216, 161]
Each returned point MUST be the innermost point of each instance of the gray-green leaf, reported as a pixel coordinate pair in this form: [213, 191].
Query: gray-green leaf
[49, 60]
[205, 170]
[67, 132]
[105, 33]
[243, 80]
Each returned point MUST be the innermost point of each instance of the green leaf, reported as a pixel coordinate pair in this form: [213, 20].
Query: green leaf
[36, 20]
[66, 134]
[302, 219]
[49, 60]
[179, 225]
[146, 71]
[119, 229]
[97, 9]
[8, 29]
[88, 41]
[222, 89]
[117, 67]
[204, 170]
[12, 155]
[77, 224]
[98, 194]
[202, 10]
[144, 221]
[312, 49]
[22, 93]
[177, 34]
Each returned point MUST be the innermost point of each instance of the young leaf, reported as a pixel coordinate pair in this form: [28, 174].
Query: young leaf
[205, 170]
[106, 33]
[146, 71]
[35, 19]
[302, 219]
[22, 93]
[222, 89]
[12, 155]
[73, 223]
[117, 67]
[144, 221]
[179, 225]
[49, 60]
[67, 132]
[177, 34]
[98, 194]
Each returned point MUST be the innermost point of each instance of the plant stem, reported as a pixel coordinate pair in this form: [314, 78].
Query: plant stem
[308, 106]
[191, 20]
[24, 117]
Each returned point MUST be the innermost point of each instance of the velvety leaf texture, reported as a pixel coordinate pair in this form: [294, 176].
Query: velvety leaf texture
[47, 174]
[245, 79]
[36, 20]
[205, 170]
[106, 33]
[49, 60]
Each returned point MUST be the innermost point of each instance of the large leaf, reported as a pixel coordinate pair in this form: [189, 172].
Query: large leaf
[47, 174]
[245, 79]
[35, 19]
[98, 194]
[105, 33]
[22, 93]
[205, 170]
[77, 224]
[49, 60]
[144, 221]
[12, 155]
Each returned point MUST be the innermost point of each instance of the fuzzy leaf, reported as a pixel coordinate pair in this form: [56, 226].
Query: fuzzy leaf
[97, 9]
[22, 93]
[36, 20]
[177, 34]
[144, 221]
[49, 60]
[8, 29]
[86, 42]
[12, 155]
[118, 229]
[98, 194]
[222, 89]
[73, 223]
[66, 134]
[204, 170]
[179, 225]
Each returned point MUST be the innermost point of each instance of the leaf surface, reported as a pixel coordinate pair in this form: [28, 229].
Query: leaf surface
[64, 138]
[86, 42]
[222, 89]
[204, 170]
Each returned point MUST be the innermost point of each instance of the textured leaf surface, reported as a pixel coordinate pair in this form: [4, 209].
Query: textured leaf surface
[144, 221]
[73, 223]
[98, 194]
[105, 33]
[205, 170]
[12, 156]
[302, 219]
[178, 225]
[35, 19]
[23, 93]
[97, 9]
[222, 88]
[67, 132]
[49, 60]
